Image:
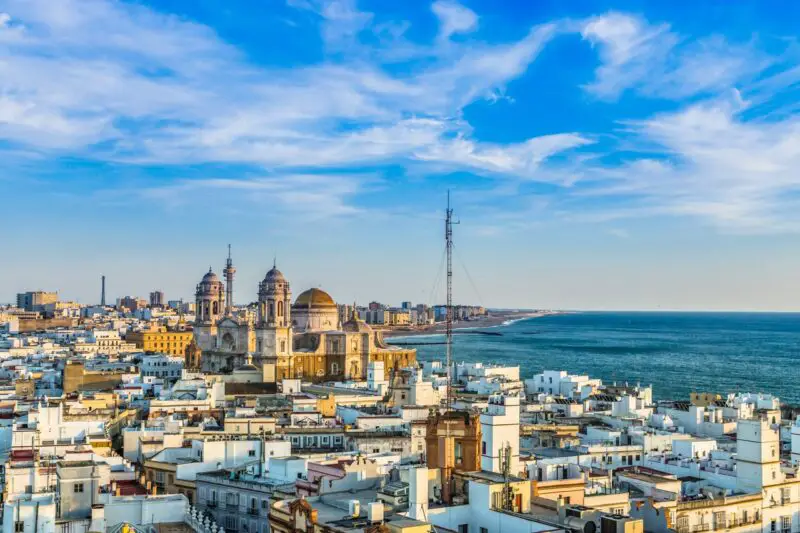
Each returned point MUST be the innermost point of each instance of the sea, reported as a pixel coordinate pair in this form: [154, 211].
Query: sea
[676, 353]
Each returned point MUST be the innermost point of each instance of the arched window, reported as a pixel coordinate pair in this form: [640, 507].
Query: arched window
[271, 308]
[280, 308]
[215, 308]
[334, 368]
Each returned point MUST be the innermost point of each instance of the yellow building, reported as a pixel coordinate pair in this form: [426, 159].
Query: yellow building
[704, 399]
[161, 340]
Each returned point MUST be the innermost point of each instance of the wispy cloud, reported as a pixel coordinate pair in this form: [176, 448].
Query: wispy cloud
[308, 197]
[453, 18]
[658, 62]
[156, 94]
[169, 91]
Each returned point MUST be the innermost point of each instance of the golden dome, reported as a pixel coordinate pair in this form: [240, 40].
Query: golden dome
[314, 298]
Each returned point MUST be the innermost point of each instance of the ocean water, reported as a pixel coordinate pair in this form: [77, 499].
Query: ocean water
[675, 352]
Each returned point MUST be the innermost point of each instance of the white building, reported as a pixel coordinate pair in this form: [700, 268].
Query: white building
[796, 442]
[376, 377]
[758, 454]
[166, 367]
[467, 371]
[560, 383]
[500, 431]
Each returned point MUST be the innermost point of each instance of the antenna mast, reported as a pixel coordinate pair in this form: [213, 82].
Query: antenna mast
[448, 236]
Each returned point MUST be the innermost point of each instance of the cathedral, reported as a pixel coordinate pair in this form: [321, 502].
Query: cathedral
[302, 339]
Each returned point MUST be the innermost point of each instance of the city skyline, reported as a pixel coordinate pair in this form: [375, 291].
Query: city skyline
[603, 156]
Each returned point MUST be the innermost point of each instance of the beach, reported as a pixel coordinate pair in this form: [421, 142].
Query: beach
[497, 318]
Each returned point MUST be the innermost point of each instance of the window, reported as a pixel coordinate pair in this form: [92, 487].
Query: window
[230, 522]
[683, 524]
[463, 528]
[78, 487]
[19, 527]
[786, 524]
[786, 496]
[251, 453]
[773, 525]
[483, 447]
[484, 530]
[719, 520]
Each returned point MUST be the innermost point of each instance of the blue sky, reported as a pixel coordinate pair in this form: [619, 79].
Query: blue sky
[599, 156]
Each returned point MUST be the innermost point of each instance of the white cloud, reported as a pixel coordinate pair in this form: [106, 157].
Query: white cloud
[657, 62]
[453, 18]
[166, 90]
[522, 160]
[734, 174]
[313, 196]
[156, 93]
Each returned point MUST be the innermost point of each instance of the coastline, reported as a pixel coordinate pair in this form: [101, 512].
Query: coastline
[501, 318]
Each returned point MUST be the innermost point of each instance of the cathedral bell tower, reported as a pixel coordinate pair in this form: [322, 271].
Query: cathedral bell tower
[273, 324]
[209, 301]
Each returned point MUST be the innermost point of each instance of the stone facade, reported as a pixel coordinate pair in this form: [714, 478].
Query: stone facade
[304, 339]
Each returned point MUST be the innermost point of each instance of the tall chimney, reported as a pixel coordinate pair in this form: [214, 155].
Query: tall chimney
[103, 290]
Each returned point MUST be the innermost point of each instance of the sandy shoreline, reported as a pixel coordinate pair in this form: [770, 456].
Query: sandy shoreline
[497, 319]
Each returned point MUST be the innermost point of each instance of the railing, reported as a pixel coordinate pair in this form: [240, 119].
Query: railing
[701, 527]
[199, 522]
[252, 511]
[211, 504]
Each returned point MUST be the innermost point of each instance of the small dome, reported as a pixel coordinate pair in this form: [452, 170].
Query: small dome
[274, 275]
[314, 298]
[210, 277]
[356, 325]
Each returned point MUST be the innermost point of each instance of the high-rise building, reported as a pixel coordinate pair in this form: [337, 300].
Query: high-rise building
[131, 303]
[35, 300]
[157, 299]
[406, 306]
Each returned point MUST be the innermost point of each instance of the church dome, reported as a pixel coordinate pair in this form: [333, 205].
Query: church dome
[356, 325]
[274, 275]
[314, 298]
[209, 285]
[210, 277]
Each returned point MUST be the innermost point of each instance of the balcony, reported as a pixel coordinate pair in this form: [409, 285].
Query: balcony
[232, 506]
[212, 504]
[252, 511]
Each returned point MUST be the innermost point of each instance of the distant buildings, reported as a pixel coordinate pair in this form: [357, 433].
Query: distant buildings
[35, 301]
[131, 303]
[157, 299]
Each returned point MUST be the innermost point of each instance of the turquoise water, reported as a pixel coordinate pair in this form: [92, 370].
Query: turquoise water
[675, 352]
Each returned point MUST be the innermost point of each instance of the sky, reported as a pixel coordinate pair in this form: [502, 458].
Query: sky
[598, 156]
